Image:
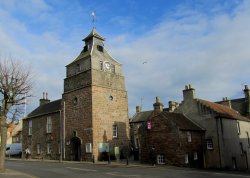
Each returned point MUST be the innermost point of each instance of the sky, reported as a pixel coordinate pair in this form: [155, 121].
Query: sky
[162, 45]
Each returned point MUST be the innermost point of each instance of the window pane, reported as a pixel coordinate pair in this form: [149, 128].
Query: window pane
[115, 129]
[49, 125]
[189, 136]
[210, 144]
[186, 158]
[88, 148]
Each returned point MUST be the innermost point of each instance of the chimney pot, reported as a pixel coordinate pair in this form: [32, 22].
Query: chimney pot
[157, 99]
[46, 95]
[189, 92]
[246, 87]
[138, 109]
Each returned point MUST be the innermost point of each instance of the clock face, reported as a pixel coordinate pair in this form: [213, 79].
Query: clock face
[107, 65]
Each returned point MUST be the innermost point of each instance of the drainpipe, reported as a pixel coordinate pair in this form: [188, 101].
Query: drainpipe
[218, 139]
[61, 145]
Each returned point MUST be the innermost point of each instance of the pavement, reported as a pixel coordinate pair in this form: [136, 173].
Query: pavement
[10, 173]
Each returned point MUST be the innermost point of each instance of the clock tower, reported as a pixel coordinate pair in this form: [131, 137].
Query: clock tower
[95, 105]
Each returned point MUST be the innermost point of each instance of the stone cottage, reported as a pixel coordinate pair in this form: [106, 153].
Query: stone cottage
[176, 139]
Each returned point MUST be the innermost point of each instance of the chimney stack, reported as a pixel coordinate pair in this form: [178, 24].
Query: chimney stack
[45, 99]
[172, 105]
[226, 102]
[188, 93]
[138, 109]
[158, 106]
[247, 99]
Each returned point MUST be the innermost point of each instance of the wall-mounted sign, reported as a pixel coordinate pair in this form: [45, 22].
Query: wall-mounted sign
[149, 125]
[103, 147]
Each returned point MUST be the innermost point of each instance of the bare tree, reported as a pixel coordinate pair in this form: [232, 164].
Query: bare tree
[15, 87]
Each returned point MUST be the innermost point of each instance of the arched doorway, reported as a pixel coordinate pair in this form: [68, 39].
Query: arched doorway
[76, 148]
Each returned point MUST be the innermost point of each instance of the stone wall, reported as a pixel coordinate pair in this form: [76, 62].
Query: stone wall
[40, 136]
[171, 142]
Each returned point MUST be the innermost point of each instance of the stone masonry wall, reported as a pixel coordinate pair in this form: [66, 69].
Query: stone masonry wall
[39, 136]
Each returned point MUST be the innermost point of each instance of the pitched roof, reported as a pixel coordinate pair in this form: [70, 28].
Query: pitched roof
[94, 33]
[141, 116]
[238, 104]
[223, 111]
[183, 122]
[51, 107]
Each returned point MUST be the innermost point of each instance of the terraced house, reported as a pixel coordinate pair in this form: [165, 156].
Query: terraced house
[90, 122]
[219, 132]
[227, 131]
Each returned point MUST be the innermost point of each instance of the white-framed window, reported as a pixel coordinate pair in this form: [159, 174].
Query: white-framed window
[160, 159]
[186, 158]
[210, 145]
[49, 125]
[48, 148]
[238, 127]
[30, 127]
[38, 148]
[195, 156]
[189, 136]
[88, 148]
[115, 131]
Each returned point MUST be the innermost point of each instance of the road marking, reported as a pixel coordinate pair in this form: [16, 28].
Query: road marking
[82, 169]
[119, 175]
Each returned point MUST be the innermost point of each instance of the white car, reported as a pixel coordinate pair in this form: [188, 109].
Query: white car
[14, 149]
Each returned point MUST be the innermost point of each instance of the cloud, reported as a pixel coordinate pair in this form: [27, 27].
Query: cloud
[26, 7]
[212, 53]
[207, 47]
[46, 52]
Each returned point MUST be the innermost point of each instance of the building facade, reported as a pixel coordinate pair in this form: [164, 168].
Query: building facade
[90, 122]
[175, 139]
[227, 131]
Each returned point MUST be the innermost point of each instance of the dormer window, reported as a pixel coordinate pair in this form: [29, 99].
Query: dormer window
[85, 48]
[100, 48]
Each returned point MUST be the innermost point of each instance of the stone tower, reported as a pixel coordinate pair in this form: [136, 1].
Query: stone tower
[95, 104]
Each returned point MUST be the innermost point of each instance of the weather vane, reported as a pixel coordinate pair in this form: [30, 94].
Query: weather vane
[93, 18]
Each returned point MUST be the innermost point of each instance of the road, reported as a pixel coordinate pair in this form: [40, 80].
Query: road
[42, 169]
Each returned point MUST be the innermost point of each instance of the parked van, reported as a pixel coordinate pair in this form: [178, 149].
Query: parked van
[14, 149]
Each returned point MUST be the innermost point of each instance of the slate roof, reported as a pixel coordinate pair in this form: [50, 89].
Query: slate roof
[141, 116]
[94, 52]
[223, 111]
[182, 122]
[93, 33]
[51, 107]
[238, 104]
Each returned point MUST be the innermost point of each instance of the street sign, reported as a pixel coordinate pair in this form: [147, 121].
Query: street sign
[149, 125]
